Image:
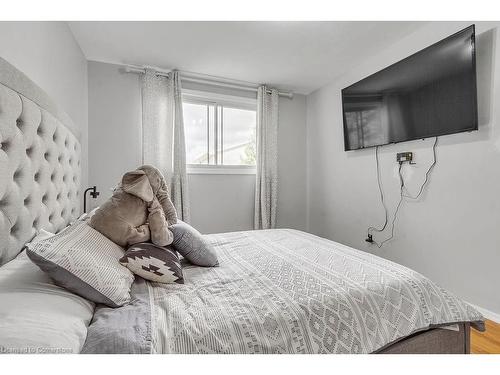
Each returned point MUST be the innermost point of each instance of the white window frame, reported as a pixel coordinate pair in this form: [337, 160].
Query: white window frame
[204, 97]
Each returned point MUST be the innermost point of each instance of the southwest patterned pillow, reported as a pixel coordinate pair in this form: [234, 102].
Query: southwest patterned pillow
[82, 260]
[155, 263]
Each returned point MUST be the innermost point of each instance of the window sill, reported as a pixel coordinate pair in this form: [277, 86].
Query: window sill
[220, 169]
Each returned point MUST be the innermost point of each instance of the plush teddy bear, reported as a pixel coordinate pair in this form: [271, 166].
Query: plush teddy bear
[140, 210]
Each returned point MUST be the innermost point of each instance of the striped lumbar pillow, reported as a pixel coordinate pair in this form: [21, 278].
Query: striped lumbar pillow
[82, 260]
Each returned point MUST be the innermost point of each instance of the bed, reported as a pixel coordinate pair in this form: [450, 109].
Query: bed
[275, 291]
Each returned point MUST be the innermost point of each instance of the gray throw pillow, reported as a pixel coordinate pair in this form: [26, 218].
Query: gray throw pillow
[154, 263]
[82, 260]
[192, 245]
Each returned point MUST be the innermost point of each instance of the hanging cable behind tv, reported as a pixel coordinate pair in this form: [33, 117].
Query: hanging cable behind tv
[402, 195]
[382, 199]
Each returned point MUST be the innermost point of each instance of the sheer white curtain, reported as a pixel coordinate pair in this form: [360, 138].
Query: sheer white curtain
[266, 184]
[163, 143]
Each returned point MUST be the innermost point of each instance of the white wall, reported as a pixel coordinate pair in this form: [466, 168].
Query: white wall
[450, 235]
[292, 162]
[48, 54]
[114, 126]
[219, 203]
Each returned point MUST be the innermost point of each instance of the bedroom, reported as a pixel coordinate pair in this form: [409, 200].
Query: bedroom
[270, 228]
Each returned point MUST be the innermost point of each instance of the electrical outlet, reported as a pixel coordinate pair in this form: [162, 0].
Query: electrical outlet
[403, 157]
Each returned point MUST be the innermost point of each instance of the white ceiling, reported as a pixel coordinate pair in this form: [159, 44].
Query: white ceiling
[298, 56]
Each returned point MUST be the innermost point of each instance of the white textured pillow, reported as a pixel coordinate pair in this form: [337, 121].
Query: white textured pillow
[37, 316]
[82, 260]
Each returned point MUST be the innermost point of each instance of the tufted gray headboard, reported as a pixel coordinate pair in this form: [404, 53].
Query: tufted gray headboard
[39, 163]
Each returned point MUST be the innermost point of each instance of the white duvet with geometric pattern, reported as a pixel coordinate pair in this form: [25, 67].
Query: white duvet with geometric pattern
[286, 291]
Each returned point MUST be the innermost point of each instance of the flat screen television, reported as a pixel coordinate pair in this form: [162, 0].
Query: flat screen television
[430, 93]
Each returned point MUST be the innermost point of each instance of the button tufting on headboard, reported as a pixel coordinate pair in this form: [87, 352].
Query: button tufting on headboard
[39, 167]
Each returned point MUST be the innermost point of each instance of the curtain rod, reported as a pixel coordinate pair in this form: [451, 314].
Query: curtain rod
[208, 80]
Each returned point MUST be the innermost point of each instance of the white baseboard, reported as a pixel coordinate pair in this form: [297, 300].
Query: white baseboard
[487, 313]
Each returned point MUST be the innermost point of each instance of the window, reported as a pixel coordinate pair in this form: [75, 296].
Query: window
[364, 122]
[220, 132]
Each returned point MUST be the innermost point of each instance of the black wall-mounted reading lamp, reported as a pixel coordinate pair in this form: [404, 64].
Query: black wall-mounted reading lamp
[93, 193]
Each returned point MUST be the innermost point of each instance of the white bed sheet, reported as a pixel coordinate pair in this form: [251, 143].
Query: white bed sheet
[37, 316]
